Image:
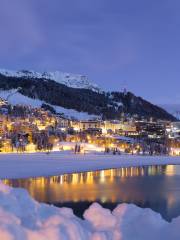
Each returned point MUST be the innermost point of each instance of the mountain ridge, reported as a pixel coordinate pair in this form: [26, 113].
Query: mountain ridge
[108, 105]
[68, 79]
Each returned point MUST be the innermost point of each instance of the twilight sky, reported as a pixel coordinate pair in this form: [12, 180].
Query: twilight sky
[117, 43]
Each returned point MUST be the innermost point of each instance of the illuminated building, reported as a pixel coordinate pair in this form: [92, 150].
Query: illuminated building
[86, 125]
[173, 130]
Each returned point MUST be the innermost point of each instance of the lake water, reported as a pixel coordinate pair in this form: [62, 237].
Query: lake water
[155, 187]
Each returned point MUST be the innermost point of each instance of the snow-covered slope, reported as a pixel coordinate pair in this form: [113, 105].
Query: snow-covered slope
[16, 98]
[68, 79]
[22, 218]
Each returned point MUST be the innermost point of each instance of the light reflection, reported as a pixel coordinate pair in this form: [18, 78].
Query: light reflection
[171, 201]
[102, 176]
[170, 170]
[88, 186]
[154, 186]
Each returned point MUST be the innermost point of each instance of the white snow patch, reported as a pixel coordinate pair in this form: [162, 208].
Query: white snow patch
[16, 98]
[119, 104]
[22, 218]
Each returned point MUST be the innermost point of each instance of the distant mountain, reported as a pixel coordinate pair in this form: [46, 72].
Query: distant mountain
[74, 95]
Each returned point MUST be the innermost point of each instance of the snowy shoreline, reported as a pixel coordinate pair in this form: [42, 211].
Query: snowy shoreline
[22, 218]
[13, 166]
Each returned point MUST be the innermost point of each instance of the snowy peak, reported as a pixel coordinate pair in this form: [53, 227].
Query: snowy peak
[68, 79]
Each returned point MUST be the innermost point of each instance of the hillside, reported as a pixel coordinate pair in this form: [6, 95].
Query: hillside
[80, 97]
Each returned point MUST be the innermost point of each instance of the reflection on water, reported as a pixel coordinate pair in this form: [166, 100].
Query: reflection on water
[156, 187]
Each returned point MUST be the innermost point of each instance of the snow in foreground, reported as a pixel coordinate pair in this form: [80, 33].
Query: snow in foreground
[22, 218]
[56, 163]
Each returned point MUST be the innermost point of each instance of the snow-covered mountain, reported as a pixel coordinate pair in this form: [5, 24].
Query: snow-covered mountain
[73, 95]
[68, 79]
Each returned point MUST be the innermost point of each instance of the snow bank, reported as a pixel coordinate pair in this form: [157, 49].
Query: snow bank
[22, 218]
[58, 163]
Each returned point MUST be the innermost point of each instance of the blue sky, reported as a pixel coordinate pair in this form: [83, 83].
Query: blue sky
[117, 43]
